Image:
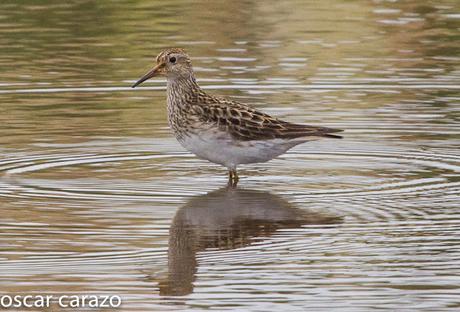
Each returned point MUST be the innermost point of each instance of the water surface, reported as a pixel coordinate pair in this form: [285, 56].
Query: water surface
[97, 197]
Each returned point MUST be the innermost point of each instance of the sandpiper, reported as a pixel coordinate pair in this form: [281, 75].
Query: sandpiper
[220, 130]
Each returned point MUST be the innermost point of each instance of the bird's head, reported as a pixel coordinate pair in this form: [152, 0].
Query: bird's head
[171, 63]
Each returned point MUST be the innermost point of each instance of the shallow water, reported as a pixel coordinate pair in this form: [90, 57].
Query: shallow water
[98, 197]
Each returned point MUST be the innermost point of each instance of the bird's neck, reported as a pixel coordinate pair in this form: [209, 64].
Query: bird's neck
[182, 90]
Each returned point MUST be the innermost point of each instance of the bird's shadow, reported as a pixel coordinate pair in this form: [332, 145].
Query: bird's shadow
[227, 218]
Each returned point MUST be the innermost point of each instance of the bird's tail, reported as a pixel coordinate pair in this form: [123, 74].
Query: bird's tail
[333, 136]
[326, 132]
[293, 131]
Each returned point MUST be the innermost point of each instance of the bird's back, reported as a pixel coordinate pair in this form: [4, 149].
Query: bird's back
[246, 123]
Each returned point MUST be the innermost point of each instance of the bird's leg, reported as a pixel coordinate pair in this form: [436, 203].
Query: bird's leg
[235, 177]
[232, 178]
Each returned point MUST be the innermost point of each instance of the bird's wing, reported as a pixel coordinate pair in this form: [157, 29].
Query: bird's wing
[245, 123]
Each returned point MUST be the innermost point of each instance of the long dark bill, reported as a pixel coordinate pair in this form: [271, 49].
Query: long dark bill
[152, 73]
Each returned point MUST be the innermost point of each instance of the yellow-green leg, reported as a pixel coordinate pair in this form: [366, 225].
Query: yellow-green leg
[233, 177]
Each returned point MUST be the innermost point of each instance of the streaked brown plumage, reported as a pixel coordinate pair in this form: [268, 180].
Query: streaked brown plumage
[245, 123]
[221, 130]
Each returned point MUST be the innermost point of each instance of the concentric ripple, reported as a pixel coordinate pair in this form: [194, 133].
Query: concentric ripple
[22, 177]
[366, 186]
[153, 224]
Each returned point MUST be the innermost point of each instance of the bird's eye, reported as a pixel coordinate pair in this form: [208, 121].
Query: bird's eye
[172, 59]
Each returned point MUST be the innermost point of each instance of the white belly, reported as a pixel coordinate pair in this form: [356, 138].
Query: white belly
[218, 147]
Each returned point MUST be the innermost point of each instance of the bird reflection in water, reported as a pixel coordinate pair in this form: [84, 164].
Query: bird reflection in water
[227, 218]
